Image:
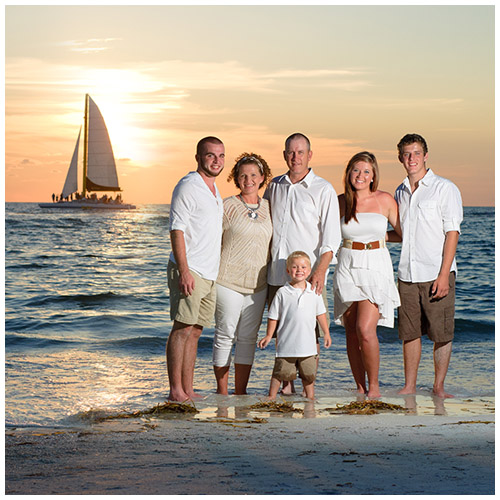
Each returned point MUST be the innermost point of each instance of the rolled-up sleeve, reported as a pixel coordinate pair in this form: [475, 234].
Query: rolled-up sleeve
[330, 223]
[180, 209]
[451, 208]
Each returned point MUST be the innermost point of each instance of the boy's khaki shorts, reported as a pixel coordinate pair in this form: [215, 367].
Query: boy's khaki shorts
[419, 314]
[285, 369]
[195, 309]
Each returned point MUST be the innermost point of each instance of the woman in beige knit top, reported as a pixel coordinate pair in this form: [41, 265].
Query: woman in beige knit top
[242, 280]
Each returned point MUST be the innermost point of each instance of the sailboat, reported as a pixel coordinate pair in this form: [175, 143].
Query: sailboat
[99, 168]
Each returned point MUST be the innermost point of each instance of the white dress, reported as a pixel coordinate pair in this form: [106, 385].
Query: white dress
[365, 274]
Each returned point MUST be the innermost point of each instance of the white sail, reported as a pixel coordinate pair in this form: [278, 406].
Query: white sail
[101, 167]
[71, 183]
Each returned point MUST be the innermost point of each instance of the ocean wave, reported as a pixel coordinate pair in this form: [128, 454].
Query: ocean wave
[15, 340]
[468, 330]
[153, 338]
[81, 299]
[28, 266]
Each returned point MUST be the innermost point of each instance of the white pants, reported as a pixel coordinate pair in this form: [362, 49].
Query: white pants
[238, 317]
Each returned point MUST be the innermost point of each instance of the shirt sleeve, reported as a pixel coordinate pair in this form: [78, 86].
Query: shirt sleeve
[275, 307]
[320, 305]
[180, 209]
[330, 223]
[451, 208]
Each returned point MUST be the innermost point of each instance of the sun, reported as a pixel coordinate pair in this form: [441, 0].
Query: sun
[117, 94]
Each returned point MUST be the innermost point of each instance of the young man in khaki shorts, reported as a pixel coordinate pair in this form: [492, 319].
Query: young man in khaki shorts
[430, 211]
[195, 231]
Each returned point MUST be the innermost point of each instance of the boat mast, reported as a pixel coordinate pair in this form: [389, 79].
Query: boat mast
[85, 145]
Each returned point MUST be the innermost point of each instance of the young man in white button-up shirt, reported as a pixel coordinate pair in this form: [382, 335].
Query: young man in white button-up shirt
[430, 211]
[195, 231]
[305, 212]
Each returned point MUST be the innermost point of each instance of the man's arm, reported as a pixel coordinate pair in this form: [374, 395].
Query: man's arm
[441, 286]
[317, 278]
[330, 238]
[186, 280]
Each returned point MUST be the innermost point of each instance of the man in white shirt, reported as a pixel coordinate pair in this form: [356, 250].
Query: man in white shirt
[305, 213]
[430, 211]
[195, 231]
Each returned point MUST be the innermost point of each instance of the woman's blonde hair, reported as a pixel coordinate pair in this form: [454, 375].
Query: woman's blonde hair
[349, 192]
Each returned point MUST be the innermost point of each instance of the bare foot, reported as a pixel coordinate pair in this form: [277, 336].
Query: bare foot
[194, 395]
[288, 388]
[440, 393]
[408, 390]
[373, 393]
[178, 397]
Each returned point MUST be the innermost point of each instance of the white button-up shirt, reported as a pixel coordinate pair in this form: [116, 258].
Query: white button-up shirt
[433, 209]
[196, 212]
[305, 217]
[296, 311]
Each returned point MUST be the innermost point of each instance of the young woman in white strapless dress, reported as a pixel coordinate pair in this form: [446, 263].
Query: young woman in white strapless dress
[365, 294]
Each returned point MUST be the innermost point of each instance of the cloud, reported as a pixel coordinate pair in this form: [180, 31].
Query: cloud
[417, 103]
[90, 46]
[175, 78]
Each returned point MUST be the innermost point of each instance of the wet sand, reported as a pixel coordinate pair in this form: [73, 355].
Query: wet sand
[434, 447]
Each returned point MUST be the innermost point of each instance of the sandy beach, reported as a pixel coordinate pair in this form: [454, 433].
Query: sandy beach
[434, 447]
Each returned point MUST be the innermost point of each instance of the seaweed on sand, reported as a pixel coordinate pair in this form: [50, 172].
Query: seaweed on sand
[236, 423]
[159, 409]
[368, 407]
[284, 407]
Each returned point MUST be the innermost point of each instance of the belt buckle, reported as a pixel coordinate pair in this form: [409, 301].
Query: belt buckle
[368, 246]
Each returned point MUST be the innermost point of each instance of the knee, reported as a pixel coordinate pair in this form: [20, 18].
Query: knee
[180, 330]
[366, 333]
[196, 331]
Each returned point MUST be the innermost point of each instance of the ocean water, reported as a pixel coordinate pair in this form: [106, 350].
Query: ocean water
[87, 318]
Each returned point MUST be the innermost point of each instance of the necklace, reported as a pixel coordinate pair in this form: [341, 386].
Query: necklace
[252, 212]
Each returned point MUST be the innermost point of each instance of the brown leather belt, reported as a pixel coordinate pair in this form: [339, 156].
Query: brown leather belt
[356, 245]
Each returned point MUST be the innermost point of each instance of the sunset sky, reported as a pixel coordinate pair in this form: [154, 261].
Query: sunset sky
[350, 78]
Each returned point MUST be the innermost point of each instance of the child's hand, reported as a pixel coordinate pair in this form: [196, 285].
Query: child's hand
[264, 342]
[328, 341]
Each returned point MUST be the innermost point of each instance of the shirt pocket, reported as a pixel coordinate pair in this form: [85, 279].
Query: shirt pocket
[428, 210]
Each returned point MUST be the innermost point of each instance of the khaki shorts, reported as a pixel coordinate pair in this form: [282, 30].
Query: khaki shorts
[286, 368]
[271, 292]
[195, 309]
[419, 314]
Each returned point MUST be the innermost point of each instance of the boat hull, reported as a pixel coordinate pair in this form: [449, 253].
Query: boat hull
[82, 204]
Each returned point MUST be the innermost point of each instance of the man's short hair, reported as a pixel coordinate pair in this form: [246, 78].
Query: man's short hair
[410, 139]
[297, 135]
[298, 254]
[201, 143]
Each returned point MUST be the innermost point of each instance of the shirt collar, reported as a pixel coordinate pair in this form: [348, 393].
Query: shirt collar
[426, 180]
[291, 289]
[428, 177]
[306, 181]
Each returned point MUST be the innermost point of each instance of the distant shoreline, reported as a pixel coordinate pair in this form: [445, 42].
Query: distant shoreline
[168, 204]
